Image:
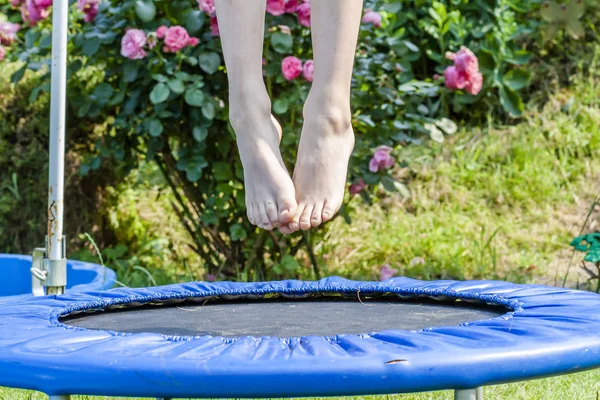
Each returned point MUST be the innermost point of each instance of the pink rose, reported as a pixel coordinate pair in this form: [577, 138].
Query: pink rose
[8, 32]
[208, 6]
[161, 32]
[2, 53]
[356, 188]
[465, 61]
[276, 7]
[474, 84]
[210, 278]
[303, 11]
[291, 67]
[214, 27]
[454, 79]
[309, 70]
[193, 42]
[42, 3]
[386, 272]
[132, 45]
[372, 17]
[291, 6]
[16, 3]
[89, 9]
[176, 38]
[32, 14]
[382, 159]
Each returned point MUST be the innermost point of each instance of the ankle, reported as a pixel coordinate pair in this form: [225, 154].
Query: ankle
[329, 110]
[248, 104]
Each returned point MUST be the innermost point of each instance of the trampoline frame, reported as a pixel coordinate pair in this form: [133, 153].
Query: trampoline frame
[49, 265]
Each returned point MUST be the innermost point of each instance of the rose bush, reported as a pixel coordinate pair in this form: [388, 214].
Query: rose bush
[153, 73]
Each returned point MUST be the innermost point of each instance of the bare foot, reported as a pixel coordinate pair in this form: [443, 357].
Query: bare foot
[321, 169]
[270, 195]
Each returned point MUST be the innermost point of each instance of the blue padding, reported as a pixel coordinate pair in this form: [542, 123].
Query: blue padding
[550, 331]
[15, 277]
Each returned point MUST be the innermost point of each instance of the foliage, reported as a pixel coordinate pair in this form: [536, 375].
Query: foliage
[170, 107]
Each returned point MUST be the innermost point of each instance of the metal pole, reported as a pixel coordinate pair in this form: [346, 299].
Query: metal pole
[469, 394]
[55, 246]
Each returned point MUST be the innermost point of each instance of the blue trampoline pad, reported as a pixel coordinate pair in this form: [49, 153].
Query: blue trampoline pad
[476, 333]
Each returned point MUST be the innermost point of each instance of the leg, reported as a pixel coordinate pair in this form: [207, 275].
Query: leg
[270, 195]
[469, 394]
[327, 138]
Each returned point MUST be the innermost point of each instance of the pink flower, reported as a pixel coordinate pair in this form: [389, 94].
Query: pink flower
[291, 67]
[386, 272]
[16, 3]
[356, 188]
[291, 6]
[303, 11]
[89, 9]
[2, 53]
[42, 3]
[132, 45]
[32, 14]
[8, 32]
[309, 70]
[382, 159]
[176, 38]
[214, 27]
[208, 6]
[372, 17]
[464, 74]
[454, 80]
[276, 7]
[474, 84]
[193, 42]
[210, 278]
[161, 32]
[465, 61]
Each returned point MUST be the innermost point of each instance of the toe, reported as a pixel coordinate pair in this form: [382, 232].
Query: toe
[294, 224]
[286, 230]
[263, 220]
[328, 212]
[250, 213]
[272, 214]
[287, 210]
[316, 218]
[305, 218]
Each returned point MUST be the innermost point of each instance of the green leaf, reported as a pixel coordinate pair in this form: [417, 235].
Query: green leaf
[194, 97]
[200, 133]
[289, 263]
[434, 132]
[209, 62]
[103, 92]
[520, 57]
[155, 127]
[447, 125]
[34, 94]
[237, 232]
[130, 71]
[511, 101]
[176, 86]
[517, 79]
[18, 75]
[90, 46]
[222, 171]
[208, 111]
[46, 42]
[160, 93]
[282, 42]
[160, 78]
[194, 21]
[145, 10]
[31, 37]
[280, 106]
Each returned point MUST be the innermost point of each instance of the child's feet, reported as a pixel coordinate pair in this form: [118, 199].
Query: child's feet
[321, 169]
[270, 195]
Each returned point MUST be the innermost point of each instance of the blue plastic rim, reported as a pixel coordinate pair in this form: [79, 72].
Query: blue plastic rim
[549, 331]
[15, 277]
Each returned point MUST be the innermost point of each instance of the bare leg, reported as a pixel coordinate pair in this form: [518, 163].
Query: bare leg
[270, 195]
[327, 137]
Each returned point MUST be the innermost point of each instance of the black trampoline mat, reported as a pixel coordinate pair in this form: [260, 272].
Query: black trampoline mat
[283, 318]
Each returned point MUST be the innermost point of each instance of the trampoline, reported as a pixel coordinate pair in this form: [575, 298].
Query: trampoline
[331, 337]
[15, 277]
[277, 339]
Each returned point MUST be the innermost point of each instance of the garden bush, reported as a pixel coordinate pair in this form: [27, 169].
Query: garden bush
[152, 72]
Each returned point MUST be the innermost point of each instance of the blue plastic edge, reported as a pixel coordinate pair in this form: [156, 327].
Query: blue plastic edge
[549, 331]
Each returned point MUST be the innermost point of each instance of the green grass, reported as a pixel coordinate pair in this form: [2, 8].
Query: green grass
[581, 386]
[492, 203]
